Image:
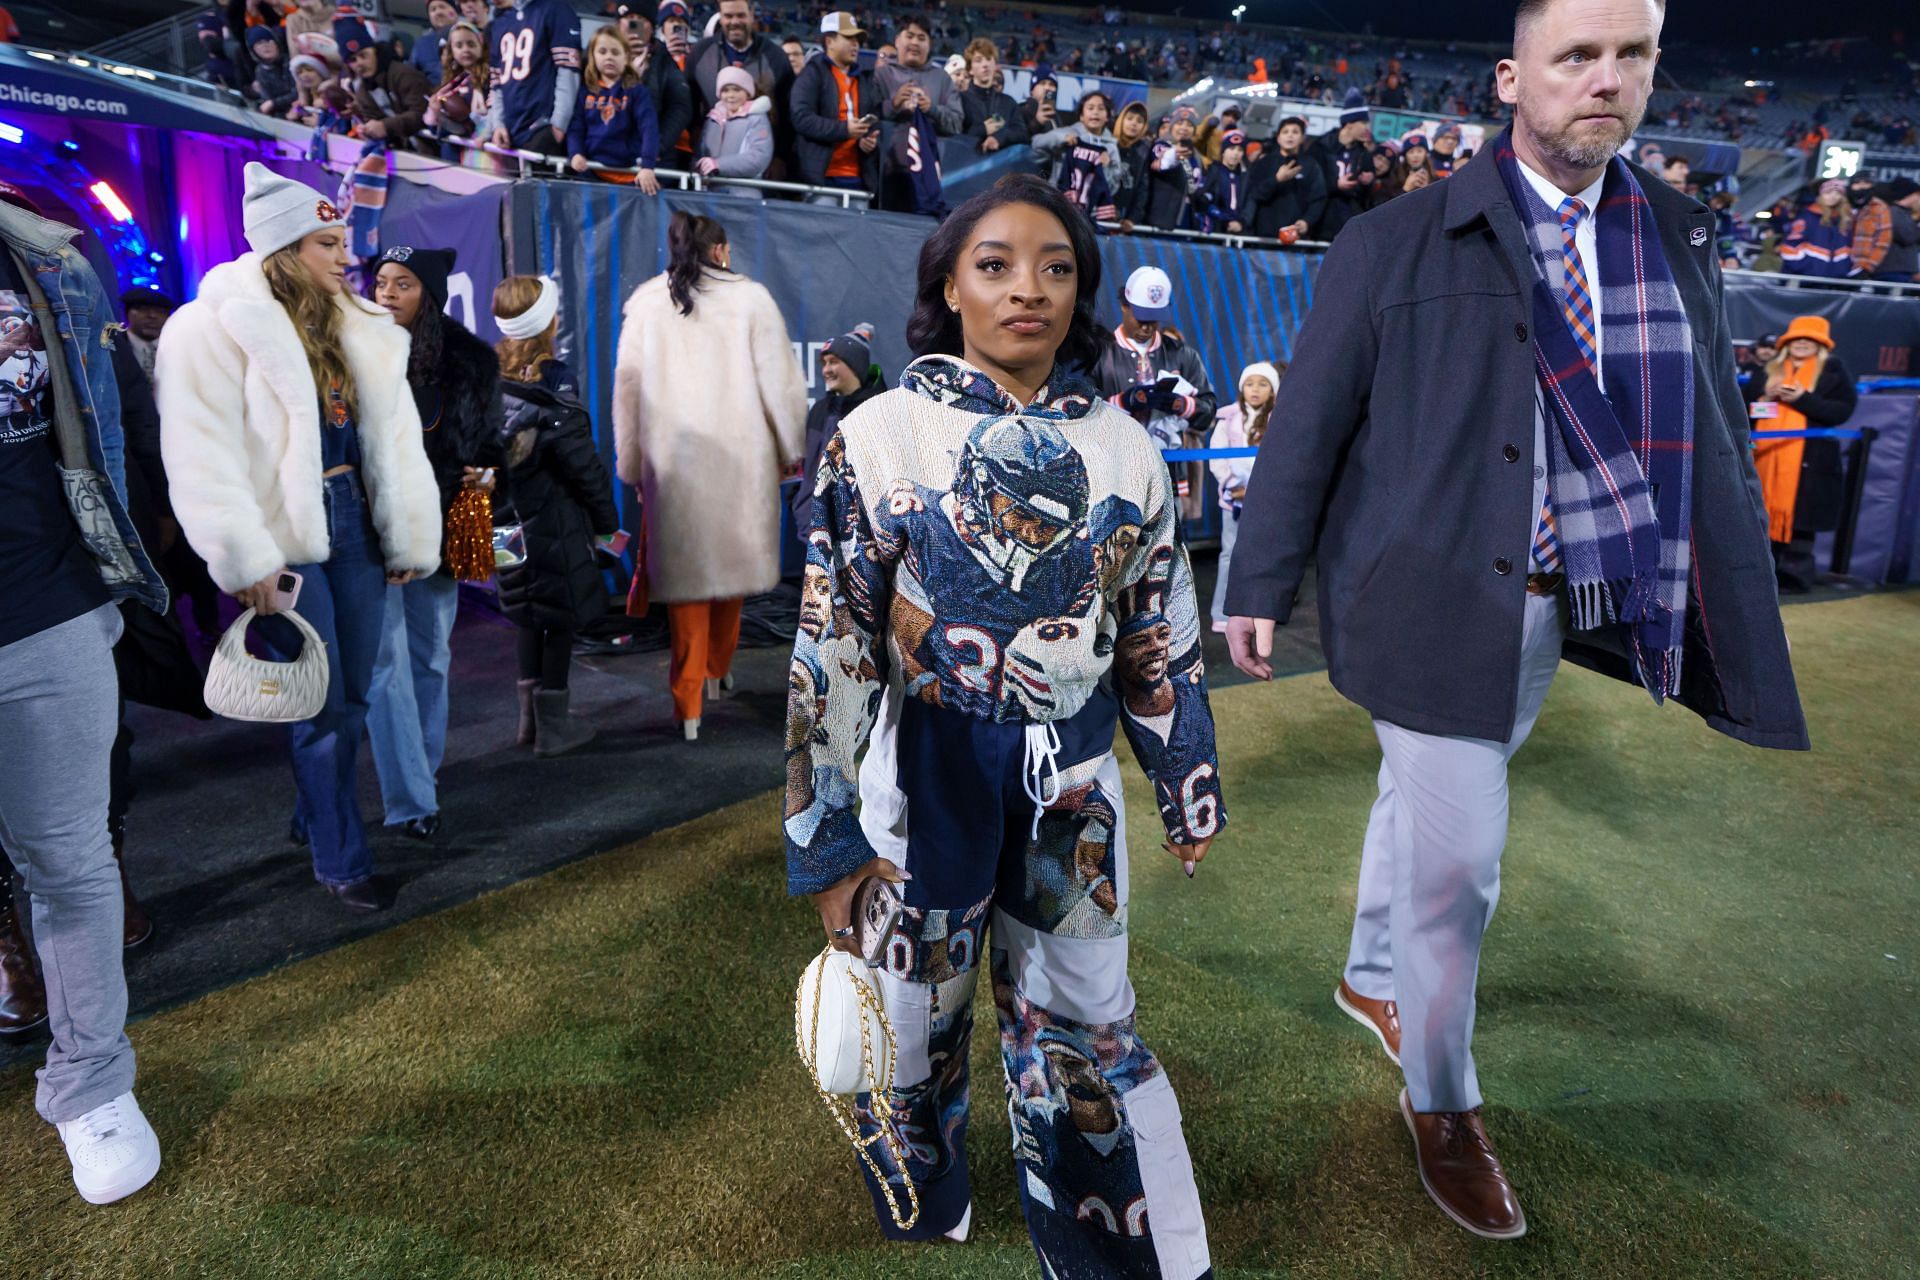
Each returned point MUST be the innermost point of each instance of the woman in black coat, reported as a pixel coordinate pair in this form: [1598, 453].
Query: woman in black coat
[556, 488]
[455, 382]
[1822, 483]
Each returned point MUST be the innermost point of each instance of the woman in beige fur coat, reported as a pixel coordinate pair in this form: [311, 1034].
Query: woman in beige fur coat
[709, 408]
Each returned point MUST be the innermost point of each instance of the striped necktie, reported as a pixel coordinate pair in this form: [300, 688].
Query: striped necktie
[1578, 308]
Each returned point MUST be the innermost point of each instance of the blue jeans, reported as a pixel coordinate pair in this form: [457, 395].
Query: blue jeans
[407, 722]
[344, 600]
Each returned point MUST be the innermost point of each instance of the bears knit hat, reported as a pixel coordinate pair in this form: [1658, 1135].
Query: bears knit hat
[1355, 109]
[278, 211]
[855, 350]
[351, 36]
[1149, 294]
[430, 266]
[1233, 138]
[956, 64]
[674, 9]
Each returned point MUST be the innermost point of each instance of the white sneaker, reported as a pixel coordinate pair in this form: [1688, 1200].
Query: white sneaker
[114, 1150]
[690, 729]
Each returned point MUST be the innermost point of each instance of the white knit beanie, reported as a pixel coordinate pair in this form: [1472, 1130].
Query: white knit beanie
[1260, 369]
[278, 211]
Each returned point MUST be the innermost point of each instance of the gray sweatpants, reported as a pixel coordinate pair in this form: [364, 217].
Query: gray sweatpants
[59, 712]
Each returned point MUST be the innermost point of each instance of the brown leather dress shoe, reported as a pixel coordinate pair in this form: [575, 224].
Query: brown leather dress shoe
[1461, 1173]
[1382, 1017]
[23, 1000]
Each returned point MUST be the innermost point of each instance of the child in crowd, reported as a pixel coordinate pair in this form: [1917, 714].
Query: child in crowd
[738, 138]
[1240, 425]
[614, 124]
[309, 83]
[461, 99]
[272, 81]
[1224, 192]
[556, 489]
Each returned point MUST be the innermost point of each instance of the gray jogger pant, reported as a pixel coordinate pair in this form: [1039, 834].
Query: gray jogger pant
[59, 712]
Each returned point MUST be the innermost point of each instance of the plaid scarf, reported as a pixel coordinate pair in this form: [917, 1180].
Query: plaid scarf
[1621, 460]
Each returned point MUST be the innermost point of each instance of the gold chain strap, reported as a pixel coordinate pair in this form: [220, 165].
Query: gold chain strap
[880, 1080]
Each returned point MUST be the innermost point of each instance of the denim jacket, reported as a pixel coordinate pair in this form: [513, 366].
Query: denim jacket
[86, 401]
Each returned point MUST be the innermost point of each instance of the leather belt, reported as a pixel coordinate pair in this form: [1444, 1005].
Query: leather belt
[1544, 584]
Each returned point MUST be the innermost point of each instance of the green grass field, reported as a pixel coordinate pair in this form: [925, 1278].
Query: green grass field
[1697, 1034]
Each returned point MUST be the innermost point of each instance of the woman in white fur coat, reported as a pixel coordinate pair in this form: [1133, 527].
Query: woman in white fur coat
[291, 442]
[709, 408]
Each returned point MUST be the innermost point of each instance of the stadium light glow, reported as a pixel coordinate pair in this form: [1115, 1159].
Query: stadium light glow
[110, 201]
[12, 133]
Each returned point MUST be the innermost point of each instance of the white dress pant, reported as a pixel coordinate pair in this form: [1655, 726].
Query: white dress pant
[1430, 876]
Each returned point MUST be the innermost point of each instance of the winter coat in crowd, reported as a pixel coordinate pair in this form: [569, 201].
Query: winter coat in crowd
[672, 101]
[1086, 165]
[1333, 158]
[1903, 254]
[819, 121]
[395, 95]
[424, 57]
[1230, 432]
[1131, 198]
[708, 411]
[1816, 248]
[948, 118]
[822, 421]
[1226, 197]
[1172, 185]
[772, 75]
[742, 144]
[1277, 204]
[1822, 491]
[615, 126]
[240, 432]
[976, 104]
[557, 489]
[460, 408]
[273, 81]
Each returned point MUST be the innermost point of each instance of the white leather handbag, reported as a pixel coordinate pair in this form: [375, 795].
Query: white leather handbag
[841, 1029]
[243, 687]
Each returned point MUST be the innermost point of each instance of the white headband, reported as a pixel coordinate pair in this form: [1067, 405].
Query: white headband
[533, 322]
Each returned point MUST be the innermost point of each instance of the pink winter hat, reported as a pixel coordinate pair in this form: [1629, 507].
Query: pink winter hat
[737, 77]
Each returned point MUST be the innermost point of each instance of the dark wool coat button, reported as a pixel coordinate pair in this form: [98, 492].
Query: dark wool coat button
[1520, 332]
[1503, 566]
[1510, 453]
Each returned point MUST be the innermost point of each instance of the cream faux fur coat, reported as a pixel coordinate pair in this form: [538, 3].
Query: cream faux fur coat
[708, 409]
[240, 432]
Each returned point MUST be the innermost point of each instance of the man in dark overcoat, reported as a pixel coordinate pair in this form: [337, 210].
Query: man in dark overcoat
[1512, 432]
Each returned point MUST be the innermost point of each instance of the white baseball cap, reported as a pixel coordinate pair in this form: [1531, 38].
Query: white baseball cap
[1149, 294]
[840, 24]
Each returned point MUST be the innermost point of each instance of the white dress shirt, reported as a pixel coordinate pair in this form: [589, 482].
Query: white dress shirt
[1586, 243]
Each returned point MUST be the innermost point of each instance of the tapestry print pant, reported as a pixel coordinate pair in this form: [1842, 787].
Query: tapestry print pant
[1105, 1181]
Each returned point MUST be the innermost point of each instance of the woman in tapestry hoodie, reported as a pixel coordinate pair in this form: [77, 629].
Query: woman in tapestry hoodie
[993, 581]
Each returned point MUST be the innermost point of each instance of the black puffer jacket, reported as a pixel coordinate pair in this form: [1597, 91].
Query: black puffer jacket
[557, 488]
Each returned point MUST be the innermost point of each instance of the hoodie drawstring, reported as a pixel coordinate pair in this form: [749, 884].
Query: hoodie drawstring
[1043, 752]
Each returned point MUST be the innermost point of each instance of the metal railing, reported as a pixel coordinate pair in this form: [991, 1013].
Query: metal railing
[560, 165]
[1817, 283]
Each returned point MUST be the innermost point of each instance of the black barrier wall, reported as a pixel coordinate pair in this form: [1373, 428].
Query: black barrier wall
[830, 270]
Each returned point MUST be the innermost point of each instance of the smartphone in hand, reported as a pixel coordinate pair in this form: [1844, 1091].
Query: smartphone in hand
[286, 590]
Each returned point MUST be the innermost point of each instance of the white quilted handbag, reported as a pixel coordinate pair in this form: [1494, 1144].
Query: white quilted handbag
[243, 687]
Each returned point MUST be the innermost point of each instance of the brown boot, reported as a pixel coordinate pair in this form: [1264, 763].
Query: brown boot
[1382, 1017]
[527, 689]
[136, 929]
[1461, 1173]
[23, 1000]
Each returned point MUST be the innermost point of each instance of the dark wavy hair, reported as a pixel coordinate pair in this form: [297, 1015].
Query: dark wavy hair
[935, 328]
[691, 240]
